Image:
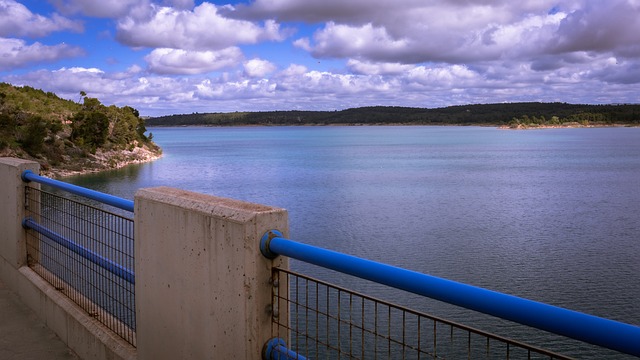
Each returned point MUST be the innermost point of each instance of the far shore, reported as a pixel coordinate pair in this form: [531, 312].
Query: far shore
[502, 127]
[563, 126]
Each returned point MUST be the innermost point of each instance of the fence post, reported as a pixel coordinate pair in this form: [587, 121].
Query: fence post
[202, 286]
[13, 239]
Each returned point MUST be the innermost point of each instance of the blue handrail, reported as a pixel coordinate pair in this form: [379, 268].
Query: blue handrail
[607, 333]
[276, 349]
[109, 265]
[115, 201]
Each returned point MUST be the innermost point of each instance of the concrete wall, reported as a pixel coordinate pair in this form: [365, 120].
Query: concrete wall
[82, 333]
[13, 240]
[202, 286]
[203, 289]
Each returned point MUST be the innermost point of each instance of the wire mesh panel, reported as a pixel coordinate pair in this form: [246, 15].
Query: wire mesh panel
[87, 254]
[329, 322]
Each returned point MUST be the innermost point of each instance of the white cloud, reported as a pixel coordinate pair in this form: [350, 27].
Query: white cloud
[201, 29]
[99, 8]
[412, 44]
[298, 87]
[79, 70]
[16, 53]
[17, 20]
[294, 69]
[448, 77]
[176, 61]
[364, 41]
[258, 68]
[371, 68]
[601, 27]
[453, 31]
[180, 4]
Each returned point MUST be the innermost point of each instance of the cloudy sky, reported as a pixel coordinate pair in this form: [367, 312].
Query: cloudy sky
[183, 56]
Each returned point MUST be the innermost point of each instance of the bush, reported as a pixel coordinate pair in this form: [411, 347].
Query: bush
[33, 135]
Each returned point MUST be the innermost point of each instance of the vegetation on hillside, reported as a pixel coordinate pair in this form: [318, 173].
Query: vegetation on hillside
[65, 136]
[509, 114]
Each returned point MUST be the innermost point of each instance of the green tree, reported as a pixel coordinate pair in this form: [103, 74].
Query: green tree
[90, 128]
[33, 135]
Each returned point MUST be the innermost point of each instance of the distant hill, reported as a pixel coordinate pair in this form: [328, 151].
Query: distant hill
[509, 114]
[66, 137]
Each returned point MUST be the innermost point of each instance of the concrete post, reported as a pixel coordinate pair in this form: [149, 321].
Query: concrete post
[202, 286]
[13, 243]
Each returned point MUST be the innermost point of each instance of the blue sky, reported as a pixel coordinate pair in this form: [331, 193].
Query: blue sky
[183, 56]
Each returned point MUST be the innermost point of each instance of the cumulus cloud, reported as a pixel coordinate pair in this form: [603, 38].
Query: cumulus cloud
[370, 68]
[17, 20]
[176, 61]
[258, 68]
[413, 32]
[298, 87]
[99, 8]
[16, 53]
[320, 10]
[405, 52]
[414, 45]
[610, 26]
[201, 29]
[365, 41]
[180, 4]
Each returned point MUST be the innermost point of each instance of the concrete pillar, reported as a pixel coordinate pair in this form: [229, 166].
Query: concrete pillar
[202, 286]
[13, 248]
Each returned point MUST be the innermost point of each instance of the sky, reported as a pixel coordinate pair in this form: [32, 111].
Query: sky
[167, 57]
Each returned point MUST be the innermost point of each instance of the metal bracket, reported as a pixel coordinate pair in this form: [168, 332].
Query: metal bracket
[264, 243]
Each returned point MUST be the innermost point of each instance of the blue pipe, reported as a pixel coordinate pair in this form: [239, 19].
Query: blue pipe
[112, 267]
[115, 201]
[276, 349]
[607, 333]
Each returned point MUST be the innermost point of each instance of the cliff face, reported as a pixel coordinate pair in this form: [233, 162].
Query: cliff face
[66, 137]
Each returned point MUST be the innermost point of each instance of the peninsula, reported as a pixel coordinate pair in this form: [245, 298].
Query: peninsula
[68, 137]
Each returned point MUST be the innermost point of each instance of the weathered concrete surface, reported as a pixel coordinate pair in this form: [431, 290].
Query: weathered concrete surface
[12, 236]
[202, 286]
[72, 325]
[23, 336]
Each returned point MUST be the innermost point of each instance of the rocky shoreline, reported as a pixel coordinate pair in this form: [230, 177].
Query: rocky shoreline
[562, 126]
[102, 160]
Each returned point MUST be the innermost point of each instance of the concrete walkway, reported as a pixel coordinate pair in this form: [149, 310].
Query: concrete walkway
[23, 336]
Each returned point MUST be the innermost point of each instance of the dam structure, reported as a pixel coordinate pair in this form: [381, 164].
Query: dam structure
[174, 274]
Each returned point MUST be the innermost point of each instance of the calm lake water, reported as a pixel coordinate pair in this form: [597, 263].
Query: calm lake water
[551, 215]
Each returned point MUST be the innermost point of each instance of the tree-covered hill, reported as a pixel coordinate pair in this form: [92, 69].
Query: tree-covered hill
[67, 137]
[508, 114]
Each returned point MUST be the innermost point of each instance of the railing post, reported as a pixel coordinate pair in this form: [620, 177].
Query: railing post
[202, 286]
[13, 239]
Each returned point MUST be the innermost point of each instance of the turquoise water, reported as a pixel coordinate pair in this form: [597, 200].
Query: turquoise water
[550, 215]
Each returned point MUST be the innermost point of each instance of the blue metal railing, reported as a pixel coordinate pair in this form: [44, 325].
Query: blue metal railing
[115, 201]
[591, 329]
[95, 258]
[84, 251]
[276, 349]
[111, 266]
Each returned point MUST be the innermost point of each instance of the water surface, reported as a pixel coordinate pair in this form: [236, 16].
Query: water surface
[550, 215]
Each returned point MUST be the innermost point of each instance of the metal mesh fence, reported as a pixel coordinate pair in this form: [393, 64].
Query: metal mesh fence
[328, 322]
[87, 254]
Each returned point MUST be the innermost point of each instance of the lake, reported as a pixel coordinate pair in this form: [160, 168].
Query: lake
[551, 215]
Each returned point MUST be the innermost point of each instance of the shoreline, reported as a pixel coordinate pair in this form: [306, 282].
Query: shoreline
[101, 161]
[564, 126]
[105, 161]
[497, 126]
[64, 173]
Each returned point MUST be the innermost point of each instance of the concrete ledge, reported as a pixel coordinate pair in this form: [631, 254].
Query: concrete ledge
[83, 334]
